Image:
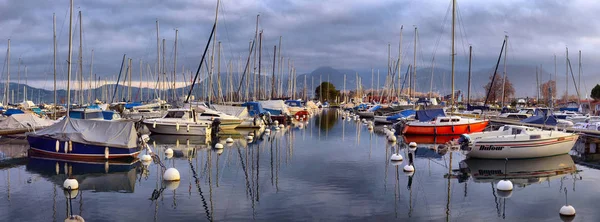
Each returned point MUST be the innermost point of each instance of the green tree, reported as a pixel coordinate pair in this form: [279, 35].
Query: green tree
[329, 92]
[596, 92]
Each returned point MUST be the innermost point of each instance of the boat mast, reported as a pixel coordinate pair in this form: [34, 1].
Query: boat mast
[567, 74]
[504, 78]
[54, 60]
[259, 62]
[555, 78]
[453, 53]
[411, 79]
[7, 94]
[163, 71]
[91, 78]
[579, 75]
[399, 63]
[175, 67]
[129, 78]
[469, 80]
[158, 57]
[69, 59]
[273, 92]
[212, 57]
[219, 95]
[141, 91]
[80, 60]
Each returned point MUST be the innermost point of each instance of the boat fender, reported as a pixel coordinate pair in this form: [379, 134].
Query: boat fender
[66, 146]
[187, 126]
[106, 153]
[70, 146]
[177, 126]
[57, 145]
[154, 124]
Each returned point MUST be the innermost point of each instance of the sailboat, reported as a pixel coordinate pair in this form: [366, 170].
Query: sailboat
[81, 138]
[435, 122]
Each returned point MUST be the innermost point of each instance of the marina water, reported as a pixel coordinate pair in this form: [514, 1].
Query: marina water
[330, 169]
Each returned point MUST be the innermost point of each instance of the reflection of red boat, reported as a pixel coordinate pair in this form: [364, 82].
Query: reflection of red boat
[301, 115]
[426, 139]
[445, 125]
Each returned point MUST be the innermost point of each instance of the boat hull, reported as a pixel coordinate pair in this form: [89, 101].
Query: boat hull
[44, 146]
[382, 120]
[366, 114]
[523, 149]
[457, 129]
[172, 129]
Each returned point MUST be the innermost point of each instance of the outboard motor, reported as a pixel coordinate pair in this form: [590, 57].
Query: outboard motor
[464, 140]
[214, 126]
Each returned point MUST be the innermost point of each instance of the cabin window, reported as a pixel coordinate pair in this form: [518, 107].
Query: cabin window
[209, 114]
[175, 114]
[506, 128]
[94, 115]
[444, 120]
[455, 120]
[516, 131]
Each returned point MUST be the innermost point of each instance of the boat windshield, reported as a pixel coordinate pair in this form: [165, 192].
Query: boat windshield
[516, 131]
[175, 114]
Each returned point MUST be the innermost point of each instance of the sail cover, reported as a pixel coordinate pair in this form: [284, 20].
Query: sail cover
[278, 105]
[429, 114]
[26, 120]
[118, 134]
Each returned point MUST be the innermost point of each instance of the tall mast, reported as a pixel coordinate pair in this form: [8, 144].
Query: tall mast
[157, 71]
[453, 23]
[469, 81]
[579, 75]
[54, 60]
[567, 74]
[504, 78]
[399, 63]
[537, 85]
[279, 68]
[210, 81]
[273, 92]
[91, 78]
[555, 79]
[80, 60]
[175, 67]
[141, 91]
[163, 71]
[259, 61]
[69, 59]
[254, 62]
[129, 78]
[18, 77]
[219, 95]
[411, 79]
[7, 93]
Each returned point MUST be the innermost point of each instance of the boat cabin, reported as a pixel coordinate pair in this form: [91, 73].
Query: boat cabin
[179, 114]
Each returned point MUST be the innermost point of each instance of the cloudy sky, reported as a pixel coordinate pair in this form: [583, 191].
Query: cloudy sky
[350, 34]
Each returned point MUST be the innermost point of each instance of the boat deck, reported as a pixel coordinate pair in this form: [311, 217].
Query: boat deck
[594, 133]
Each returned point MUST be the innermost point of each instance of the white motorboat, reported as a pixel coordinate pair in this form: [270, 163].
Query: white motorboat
[228, 122]
[516, 142]
[243, 114]
[179, 122]
[587, 126]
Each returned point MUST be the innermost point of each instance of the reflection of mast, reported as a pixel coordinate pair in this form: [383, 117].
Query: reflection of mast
[210, 198]
[448, 191]
[197, 181]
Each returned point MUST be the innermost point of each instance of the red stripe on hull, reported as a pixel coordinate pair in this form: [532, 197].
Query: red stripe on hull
[445, 130]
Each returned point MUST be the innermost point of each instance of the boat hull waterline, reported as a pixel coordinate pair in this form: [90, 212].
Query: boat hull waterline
[77, 151]
[523, 148]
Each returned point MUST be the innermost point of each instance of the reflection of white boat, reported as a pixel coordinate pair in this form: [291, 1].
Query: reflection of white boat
[96, 176]
[520, 142]
[522, 172]
[179, 122]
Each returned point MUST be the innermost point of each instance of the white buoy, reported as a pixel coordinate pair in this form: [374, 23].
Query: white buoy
[567, 210]
[249, 138]
[409, 168]
[171, 174]
[229, 140]
[276, 128]
[146, 163]
[71, 184]
[146, 157]
[276, 122]
[504, 185]
[393, 130]
[169, 153]
[218, 146]
[281, 126]
[154, 124]
[370, 127]
[219, 151]
[412, 145]
[396, 157]
[71, 193]
[267, 130]
[385, 126]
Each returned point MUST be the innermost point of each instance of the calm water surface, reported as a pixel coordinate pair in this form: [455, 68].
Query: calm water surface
[328, 170]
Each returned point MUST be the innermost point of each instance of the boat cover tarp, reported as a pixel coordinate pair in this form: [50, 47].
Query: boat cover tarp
[13, 111]
[254, 108]
[374, 108]
[401, 114]
[132, 104]
[237, 111]
[94, 132]
[573, 109]
[275, 105]
[429, 114]
[541, 119]
[294, 103]
[22, 121]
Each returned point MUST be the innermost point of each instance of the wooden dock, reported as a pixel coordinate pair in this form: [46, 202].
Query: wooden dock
[502, 121]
